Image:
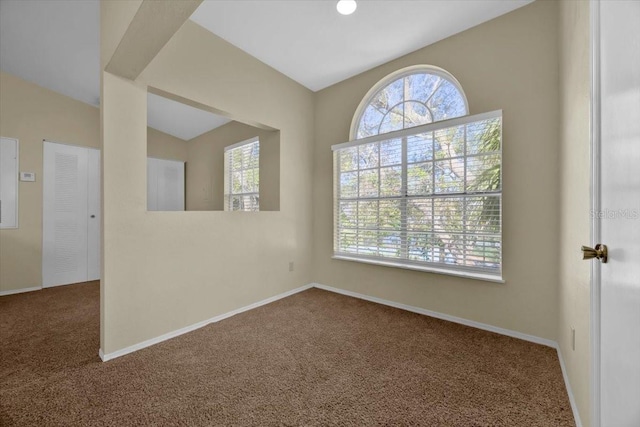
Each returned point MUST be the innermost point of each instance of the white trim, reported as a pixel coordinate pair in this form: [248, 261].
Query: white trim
[67, 284]
[20, 291]
[595, 206]
[186, 329]
[229, 171]
[483, 326]
[241, 143]
[567, 384]
[429, 127]
[442, 316]
[390, 78]
[17, 207]
[170, 160]
[507, 332]
[429, 269]
[473, 272]
[71, 145]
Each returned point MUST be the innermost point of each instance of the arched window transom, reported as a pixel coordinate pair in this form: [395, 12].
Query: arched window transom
[415, 97]
[419, 184]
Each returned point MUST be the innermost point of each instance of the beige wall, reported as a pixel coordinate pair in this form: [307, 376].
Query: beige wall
[574, 202]
[205, 166]
[197, 265]
[164, 146]
[509, 63]
[30, 114]
[200, 264]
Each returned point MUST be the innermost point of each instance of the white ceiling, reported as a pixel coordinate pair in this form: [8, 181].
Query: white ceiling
[180, 120]
[317, 47]
[56, 43]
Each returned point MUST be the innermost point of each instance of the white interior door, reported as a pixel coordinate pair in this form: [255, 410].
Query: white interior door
[152, 184]
[71, 238]
[619, 216]
[165, 185]
[93, 209]
[8, 183]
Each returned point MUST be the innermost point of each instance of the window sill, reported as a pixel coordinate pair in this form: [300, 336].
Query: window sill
[466, 274]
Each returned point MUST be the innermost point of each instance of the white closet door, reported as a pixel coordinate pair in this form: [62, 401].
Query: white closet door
[8, 183]
[152, 184]
[94, 211]
[171, 186]
[71, 239]
[165, 185]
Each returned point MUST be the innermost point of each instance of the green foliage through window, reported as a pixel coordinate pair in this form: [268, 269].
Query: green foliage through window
[242, 177]
[429, 197]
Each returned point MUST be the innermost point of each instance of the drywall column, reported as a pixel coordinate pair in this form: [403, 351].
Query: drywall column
[166, 271]
[131, 34]
[124, 152]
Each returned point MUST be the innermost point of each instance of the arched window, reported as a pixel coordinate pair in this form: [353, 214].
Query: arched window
[419, 185]
[411, 97]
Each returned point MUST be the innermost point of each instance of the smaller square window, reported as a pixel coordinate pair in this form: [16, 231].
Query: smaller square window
[242, 176]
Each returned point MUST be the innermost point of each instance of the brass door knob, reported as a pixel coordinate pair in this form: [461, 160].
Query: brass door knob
[599, 252]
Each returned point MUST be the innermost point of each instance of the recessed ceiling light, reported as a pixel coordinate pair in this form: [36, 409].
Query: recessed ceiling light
[346, 7]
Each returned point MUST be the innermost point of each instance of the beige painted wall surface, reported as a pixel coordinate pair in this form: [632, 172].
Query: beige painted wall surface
[164, 146]
[197, 265]
[509, 63]
[205, 166]
[117, 16]
[575, 220]
[30, 114]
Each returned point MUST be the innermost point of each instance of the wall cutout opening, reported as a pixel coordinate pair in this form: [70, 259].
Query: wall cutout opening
[201, 159]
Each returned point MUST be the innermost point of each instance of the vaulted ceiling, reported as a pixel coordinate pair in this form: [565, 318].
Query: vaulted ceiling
[56, 43]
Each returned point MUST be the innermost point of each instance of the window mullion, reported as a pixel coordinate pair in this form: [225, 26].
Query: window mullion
[230, 196]
[433, 200]
[378, 238]
[336, 220]
[405, 89]
[404, 244]
[464, 199]
[358, 202]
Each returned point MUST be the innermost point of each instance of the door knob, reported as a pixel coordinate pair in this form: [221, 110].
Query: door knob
[599, 252]
[93, 216]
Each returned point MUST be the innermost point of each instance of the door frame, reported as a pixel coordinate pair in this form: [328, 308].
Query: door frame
[99, 150]
[595, 106]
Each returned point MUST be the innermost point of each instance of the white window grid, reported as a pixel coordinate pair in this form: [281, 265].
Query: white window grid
[242, 200]
[490, 242]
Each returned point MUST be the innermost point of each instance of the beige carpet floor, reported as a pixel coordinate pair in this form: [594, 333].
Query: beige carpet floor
[315, 358]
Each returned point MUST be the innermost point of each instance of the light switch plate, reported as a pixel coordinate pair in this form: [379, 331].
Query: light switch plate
[28, 176]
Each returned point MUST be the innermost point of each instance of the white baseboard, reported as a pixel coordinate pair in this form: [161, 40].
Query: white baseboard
[442, 316]
[19, 291]
[473, 324]
[572, 399]
[169, 335]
